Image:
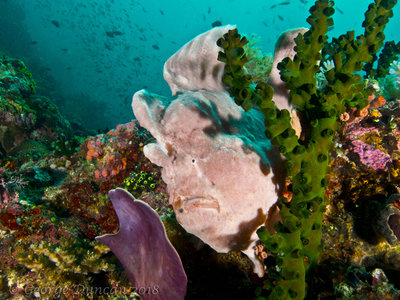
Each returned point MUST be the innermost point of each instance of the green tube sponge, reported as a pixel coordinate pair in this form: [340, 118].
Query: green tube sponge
[296, 245]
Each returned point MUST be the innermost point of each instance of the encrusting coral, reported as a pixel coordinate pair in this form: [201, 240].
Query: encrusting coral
[296, 244]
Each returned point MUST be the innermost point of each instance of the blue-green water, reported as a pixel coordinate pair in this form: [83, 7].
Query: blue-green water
[91, 56]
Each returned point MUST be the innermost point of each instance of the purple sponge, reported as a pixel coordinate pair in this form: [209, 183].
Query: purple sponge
[141, 245]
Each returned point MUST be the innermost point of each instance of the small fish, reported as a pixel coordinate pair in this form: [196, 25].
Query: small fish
[55, 23]
[155, 47]
[114, 33]
[339, 10]
[64, 49]
[280, 18]
[265, 24]
[331, 28]
[216, 23]
[33, 43]
[161, 12]
[209, 10]
[272, 6]
[284, 3]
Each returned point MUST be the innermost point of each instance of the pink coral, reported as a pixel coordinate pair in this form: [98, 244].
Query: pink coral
[370, 156]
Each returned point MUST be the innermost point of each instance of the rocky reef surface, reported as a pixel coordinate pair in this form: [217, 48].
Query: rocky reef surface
[54, 186]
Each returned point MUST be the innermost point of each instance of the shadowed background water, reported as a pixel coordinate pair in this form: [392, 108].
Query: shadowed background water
[91, 56]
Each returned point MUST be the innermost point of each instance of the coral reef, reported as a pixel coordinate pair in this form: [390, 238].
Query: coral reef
[358, 238]
[29, 123]
[335, 231]
[52, 208]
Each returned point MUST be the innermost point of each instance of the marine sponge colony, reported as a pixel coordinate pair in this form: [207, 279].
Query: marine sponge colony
[296, 245]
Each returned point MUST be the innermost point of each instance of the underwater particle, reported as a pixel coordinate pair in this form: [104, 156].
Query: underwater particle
[156, 264]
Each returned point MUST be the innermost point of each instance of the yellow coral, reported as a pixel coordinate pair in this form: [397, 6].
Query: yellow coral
[66, 255]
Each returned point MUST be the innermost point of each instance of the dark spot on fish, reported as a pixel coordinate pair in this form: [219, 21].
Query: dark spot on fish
[215, 71]
[55, 23]
[216, 23]
[203, 72]
[155, 47]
